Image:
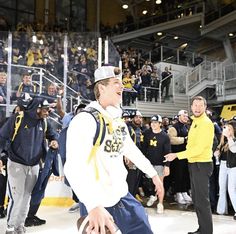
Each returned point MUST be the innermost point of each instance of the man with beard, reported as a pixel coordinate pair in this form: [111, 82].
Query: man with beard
[26, 131]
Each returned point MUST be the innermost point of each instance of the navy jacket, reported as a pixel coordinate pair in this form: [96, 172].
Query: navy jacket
[29, 145]
[51, 165]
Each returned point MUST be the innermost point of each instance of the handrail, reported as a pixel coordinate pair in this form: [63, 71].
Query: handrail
[45, 72]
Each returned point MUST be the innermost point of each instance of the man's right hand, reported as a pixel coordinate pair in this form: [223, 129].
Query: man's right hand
[99, 218]
[1, 165]
[158, 185]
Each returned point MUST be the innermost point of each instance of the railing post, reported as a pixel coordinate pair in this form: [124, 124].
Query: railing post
[160, 91]
[187, 82]
[40, 80]
[99, 52]
[177, 56]
[65, 70]
[106, 52]
[145, 94]
[9, 74]
[161, 53]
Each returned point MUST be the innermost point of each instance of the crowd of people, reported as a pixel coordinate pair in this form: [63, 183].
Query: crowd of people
[125, 161]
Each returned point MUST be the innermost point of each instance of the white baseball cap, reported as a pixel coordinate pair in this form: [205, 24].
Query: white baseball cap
[183, 112]
[106, 72]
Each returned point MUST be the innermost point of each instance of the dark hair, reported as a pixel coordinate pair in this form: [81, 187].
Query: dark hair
[199, 98]
[233, 124]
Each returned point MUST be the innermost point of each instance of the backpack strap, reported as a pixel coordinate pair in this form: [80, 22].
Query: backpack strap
[99, 136]
[18, 121]
[45, 125]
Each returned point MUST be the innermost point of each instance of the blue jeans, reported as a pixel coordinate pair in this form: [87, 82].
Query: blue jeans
[128, 214]
[222, 205]
[227, 179]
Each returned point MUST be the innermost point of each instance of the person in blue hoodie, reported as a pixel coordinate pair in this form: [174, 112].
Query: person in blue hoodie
[26, 147]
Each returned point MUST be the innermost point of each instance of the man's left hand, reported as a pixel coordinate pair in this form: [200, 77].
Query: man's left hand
[170, 157]
[54, 144]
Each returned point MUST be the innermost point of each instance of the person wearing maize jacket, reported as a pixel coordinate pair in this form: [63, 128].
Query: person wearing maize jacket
[27, 132]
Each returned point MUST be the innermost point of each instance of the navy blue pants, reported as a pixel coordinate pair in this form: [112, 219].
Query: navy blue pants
[128, 214]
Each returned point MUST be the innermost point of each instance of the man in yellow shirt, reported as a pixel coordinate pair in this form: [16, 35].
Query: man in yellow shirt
[199, 155]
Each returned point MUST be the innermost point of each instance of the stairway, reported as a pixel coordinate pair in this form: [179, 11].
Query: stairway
[168, 108]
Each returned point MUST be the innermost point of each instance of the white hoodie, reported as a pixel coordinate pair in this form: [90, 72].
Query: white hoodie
[111, 185]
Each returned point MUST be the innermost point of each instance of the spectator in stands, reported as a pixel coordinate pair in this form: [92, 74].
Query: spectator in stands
[128, 82]
[155, 80]
[26, 86]
[51, 95]
[2, 53]
[147, 66]
[166, 77]
[34, 56]
[146, 83]
[137, 85]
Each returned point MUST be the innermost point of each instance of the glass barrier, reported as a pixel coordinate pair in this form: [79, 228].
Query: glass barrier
[113, 54]
[64, 61]
[230, 72]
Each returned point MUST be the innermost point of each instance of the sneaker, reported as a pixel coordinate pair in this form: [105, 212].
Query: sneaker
[151, 200]
[74, 208]
[160, 208]
[187, 198]
[234, 216]
[20, 230]
[180, 199]
[10, 230]
[34, 221]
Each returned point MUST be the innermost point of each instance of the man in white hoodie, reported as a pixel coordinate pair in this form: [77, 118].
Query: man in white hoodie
[99, 181]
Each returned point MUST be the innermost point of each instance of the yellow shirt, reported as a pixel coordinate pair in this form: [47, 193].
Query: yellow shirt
[200, 141]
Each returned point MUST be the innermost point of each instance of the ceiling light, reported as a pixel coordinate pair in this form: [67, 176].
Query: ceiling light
[125, 6]
[145, 12]
[231, 34]
[176, 37]
[159, 34]
[34, 39]
[183, 46]
[158, 1]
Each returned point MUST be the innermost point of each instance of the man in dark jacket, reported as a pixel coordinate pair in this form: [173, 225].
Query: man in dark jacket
[27, 132]
[178, 134]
